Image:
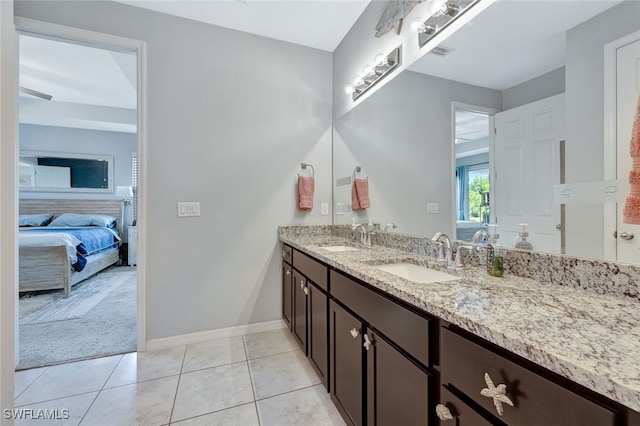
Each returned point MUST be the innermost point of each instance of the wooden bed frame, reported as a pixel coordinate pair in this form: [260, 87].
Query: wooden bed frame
[49, 268]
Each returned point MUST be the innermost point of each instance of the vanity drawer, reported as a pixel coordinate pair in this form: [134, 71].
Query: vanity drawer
[462, 414]
[310, 268]
[286, 253]
[407, 329]
[537, 400]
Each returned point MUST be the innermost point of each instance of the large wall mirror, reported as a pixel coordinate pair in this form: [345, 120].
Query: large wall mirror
[65, 172]
[426, 143]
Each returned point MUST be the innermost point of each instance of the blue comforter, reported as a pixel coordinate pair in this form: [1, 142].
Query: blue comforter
[93, 240]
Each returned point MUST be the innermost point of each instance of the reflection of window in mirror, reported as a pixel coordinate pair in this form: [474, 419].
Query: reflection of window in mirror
[472, 172]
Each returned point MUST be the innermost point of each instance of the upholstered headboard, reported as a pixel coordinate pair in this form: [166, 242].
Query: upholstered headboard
[59, 206]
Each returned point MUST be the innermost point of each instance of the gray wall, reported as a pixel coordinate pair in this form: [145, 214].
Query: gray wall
[401, 136]
[230, 117]
[543, 86]
[80, 141]
[585, 117]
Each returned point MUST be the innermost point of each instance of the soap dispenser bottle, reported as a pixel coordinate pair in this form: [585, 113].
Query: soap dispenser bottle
[521, 242]
[495, 256]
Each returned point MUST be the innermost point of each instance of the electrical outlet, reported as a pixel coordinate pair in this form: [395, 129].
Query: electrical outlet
[324, 209]
[433, 207]
[188, 208]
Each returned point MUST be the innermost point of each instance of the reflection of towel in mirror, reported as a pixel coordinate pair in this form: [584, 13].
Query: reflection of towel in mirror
[631, 210]
[306, 186]
[360, 194]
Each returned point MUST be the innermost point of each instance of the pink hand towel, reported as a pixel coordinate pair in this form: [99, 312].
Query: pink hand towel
[306, 186]
[360, 194]
[631, 210]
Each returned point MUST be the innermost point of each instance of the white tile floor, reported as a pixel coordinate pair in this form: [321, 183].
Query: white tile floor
[260, 379]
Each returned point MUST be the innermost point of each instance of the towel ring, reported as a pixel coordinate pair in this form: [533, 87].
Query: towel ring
[358, 169]
[304, 166]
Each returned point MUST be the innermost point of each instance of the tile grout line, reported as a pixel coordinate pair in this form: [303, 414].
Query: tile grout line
[253, 390]
[290, 391]
[29, 385]
[175, 396]
[100, 390]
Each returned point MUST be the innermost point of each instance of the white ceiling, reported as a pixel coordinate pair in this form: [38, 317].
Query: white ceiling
[321, 24]
[78, 74]
[511, 42]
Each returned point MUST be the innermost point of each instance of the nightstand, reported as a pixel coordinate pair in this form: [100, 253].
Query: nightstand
[132, 238]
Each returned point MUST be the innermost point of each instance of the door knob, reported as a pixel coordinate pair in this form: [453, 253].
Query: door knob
[306, 290]
[354, 332]
[627, 235]
[367, 343]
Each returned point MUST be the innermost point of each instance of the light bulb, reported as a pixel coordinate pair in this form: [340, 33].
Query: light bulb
[366, 70]
[417, 25]
[430, 29]
[348, 90]
[356, 80]
[437, 7]
[381, 60]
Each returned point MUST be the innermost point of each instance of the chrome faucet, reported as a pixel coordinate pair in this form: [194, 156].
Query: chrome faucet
[390, 225]
[366, 234]
[481, 233]
[445, 246]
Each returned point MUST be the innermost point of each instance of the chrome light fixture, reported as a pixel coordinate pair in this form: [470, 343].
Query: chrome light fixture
[442, 15]
[372, 74]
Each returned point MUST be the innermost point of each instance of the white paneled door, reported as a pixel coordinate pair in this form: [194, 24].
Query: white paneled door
[527, 165]
[627, 92]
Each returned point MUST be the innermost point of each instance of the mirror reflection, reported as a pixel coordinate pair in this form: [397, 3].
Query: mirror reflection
[482, 134]
[62, 172]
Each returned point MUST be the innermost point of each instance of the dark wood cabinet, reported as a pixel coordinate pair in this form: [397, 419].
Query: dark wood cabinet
[299, 327]
[387, 363]
[287, 294]
[346, 363]
[318, 330]
[460, 413]
[287, 286]
[397, 389]
[537, 400]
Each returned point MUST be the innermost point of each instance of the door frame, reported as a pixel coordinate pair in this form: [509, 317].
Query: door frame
[610, 143]
[113, 42]
[491, 112]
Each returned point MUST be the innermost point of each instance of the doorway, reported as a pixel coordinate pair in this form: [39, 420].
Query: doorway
[77, 143]
[472, 152]
[43, 29]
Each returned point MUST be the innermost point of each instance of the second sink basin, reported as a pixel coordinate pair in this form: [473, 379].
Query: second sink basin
[416, 273]
[339, 248]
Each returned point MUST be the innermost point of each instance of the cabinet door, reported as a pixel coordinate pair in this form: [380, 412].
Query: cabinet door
[462, 414]
[346, 364]
[397, 390]
[300, 310]
[287, 294]
[318, 331]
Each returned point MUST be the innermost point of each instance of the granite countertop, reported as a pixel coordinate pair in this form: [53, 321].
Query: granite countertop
[592, 339]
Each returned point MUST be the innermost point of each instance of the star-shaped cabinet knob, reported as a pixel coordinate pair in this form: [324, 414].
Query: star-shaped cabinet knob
[498, 393]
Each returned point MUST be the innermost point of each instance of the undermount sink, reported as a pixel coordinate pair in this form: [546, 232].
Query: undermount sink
[339, 248]
[416, 273]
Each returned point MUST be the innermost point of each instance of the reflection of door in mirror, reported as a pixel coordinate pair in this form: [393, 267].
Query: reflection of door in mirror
[527, 158]
[627, 92]
[472, 171]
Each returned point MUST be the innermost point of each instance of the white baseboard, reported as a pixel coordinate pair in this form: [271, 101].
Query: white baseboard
[220, 333]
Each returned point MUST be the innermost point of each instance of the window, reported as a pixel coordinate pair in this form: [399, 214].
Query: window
[473, 192]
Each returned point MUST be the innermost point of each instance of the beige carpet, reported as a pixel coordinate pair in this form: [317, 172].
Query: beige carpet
[98, 319]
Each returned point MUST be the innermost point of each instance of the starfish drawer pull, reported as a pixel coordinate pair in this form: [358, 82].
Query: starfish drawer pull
[499, 393]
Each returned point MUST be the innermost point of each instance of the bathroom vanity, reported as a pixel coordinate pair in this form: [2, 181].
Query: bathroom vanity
[475, 350]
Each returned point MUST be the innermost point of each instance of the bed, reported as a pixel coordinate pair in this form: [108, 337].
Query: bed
[47, 262]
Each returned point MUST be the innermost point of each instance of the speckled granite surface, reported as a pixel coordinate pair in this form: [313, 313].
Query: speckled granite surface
[592, 339]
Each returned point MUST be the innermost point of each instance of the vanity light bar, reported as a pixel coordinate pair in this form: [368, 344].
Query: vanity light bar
[443, 17]
[384, 65]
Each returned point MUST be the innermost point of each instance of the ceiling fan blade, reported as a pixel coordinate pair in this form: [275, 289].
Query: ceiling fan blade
[35, 93]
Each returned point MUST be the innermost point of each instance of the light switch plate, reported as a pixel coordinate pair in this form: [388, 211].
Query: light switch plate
[433, 207]
[339, 208]
[188, 208]
[324, 209]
